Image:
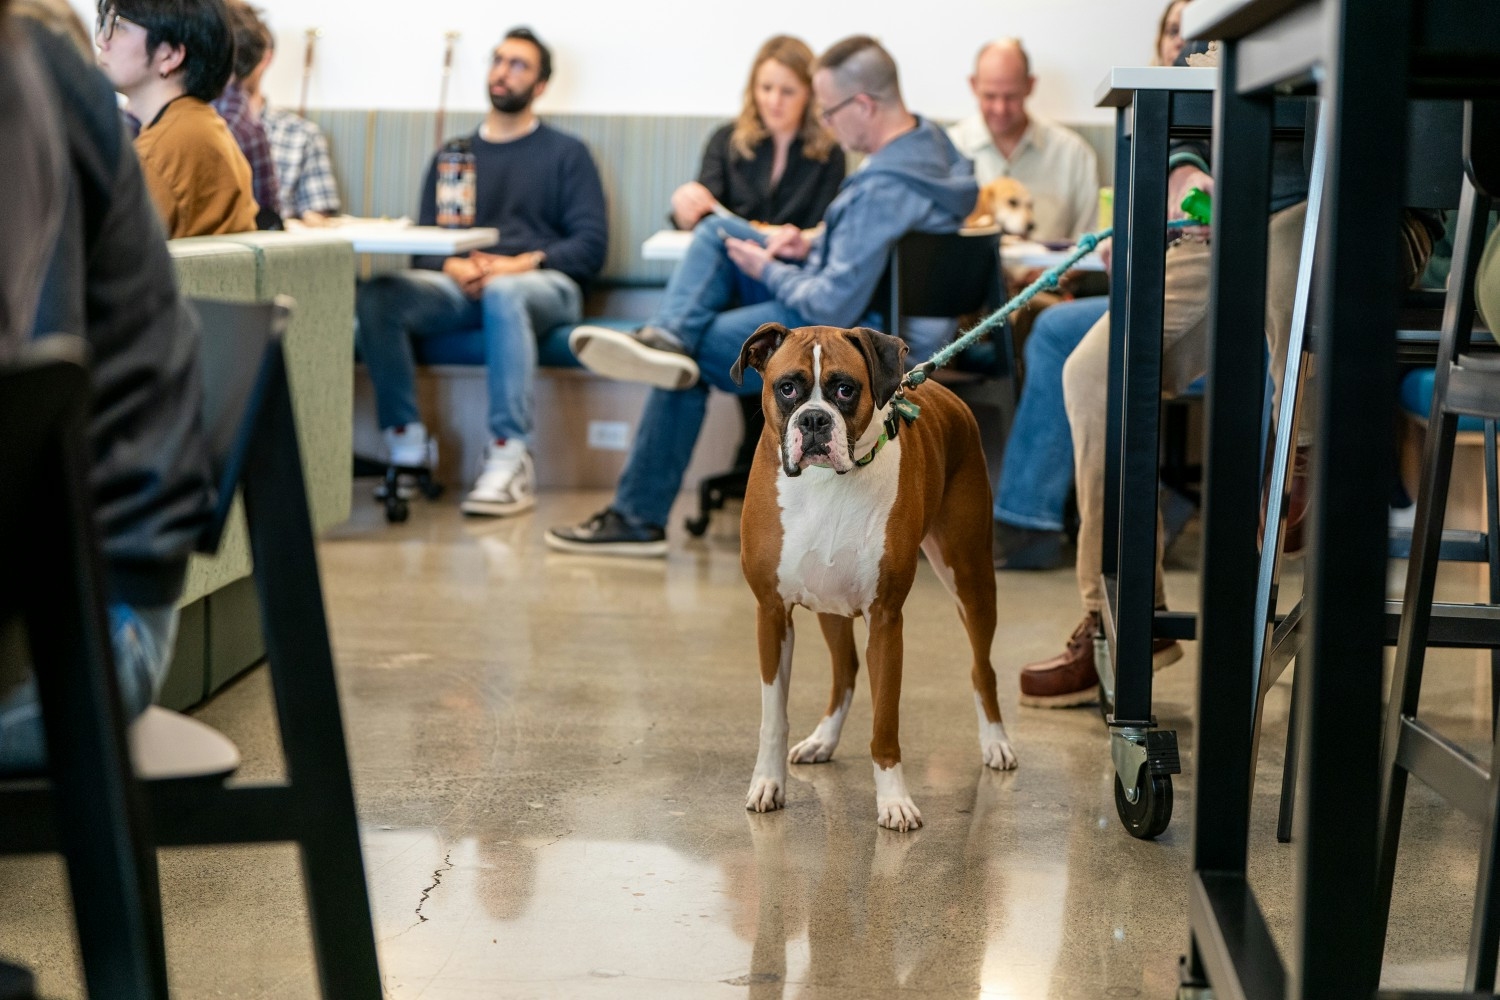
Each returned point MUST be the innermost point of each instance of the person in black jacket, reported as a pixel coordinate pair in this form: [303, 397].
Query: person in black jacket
[775, 163]
[110, 280]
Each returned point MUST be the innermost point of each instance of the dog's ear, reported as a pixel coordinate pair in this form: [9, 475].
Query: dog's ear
[885, 357]
[758, 350]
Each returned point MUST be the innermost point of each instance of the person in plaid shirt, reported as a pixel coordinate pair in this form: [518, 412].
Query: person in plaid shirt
[299, 150]
[308, 190]
[250, 45]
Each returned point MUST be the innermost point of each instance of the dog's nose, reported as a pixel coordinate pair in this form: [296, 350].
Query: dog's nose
[815, 423]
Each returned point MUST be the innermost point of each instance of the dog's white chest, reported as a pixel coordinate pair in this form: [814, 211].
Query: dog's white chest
[833, 533]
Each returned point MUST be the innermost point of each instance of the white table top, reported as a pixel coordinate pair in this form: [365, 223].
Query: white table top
[400, 236]
[1117, 89]
[671, 245]
[1036, 255]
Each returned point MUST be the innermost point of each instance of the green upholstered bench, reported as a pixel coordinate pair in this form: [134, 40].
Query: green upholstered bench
[219, 636]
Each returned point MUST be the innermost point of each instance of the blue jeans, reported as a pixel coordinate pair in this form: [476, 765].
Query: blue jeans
[696, 308]
[706, 282]
[669, 427]
[513, 311]
[1037, 469]
[142, 639]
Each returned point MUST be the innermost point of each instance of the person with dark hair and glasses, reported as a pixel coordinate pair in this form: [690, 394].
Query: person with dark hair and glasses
[252, 40]
[170, 58]
[540, 188]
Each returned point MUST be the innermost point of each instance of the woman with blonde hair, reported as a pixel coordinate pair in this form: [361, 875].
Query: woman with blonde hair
[775, 163]
[1169, 35]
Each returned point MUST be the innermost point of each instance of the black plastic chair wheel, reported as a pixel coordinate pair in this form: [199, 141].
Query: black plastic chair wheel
[396, 510]
[1149, 815]
[696, 526]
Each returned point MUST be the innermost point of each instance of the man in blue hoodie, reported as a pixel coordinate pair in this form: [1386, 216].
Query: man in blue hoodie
[912, 181]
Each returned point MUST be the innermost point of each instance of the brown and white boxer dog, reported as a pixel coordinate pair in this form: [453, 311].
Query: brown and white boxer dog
[842, 494]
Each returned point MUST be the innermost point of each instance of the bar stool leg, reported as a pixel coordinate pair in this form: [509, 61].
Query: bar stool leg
[1484, 932]
[1284, 451]
[1421, 577]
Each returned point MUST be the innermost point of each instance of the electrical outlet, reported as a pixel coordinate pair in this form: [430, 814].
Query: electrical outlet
[609, 435]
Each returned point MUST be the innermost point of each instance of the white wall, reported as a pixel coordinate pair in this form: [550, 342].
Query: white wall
[690, 56]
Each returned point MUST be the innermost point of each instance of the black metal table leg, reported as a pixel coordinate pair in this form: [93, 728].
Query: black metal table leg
[1144, 760]
[1231, 490]
[1364, 86]
[1140, 407]
[1115, 392]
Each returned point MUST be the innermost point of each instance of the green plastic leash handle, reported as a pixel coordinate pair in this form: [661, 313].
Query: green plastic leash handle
[1198, 206]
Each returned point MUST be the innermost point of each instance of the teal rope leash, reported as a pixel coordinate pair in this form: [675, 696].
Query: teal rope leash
[1087, 243]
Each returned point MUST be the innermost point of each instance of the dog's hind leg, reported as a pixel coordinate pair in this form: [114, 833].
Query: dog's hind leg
[774, 634]
[838, 631]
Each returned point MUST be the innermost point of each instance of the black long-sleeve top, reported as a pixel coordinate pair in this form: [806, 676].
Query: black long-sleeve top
[744, 186]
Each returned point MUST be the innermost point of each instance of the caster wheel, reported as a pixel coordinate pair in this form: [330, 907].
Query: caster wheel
[696, 526]
[396, 510]
[432, 490]
[1149, 815]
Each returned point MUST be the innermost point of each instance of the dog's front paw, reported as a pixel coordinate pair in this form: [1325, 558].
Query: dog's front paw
[898, 814]
[813, 750]
[894, 808]
[1000, 756]
[767, 794]
[995, 748]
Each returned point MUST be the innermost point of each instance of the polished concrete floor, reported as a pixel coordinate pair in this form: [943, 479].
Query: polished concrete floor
[551, 755]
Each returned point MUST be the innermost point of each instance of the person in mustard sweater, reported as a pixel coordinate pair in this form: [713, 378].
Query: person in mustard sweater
[170, 58]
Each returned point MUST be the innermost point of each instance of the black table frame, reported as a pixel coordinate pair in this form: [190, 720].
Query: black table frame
[1365, 59]
[1144, 130]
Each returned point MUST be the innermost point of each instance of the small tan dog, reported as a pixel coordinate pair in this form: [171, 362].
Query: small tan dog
[1005, 204]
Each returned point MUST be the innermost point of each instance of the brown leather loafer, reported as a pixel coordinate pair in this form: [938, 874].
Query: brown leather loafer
[1069, 678]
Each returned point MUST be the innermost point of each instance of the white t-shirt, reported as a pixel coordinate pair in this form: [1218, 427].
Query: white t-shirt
[1055, 163]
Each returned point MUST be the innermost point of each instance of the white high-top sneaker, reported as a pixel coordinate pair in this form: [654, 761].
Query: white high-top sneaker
[407, 447]
[507, 485]
[411, 447]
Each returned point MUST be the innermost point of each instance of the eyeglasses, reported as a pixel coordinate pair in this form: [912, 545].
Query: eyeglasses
[827, 113]
[109, 20]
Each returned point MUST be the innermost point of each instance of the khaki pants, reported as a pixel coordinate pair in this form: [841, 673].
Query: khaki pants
[1487, 282]
[1183, 358]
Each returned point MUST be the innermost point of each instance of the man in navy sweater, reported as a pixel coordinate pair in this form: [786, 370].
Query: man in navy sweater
[540, 188]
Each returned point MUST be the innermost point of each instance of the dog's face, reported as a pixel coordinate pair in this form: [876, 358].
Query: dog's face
[824, 388]
[1006, 204]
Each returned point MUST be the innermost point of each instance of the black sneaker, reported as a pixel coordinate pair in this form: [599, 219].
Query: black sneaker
[608, 533]
[650, 355]
[1024, 548]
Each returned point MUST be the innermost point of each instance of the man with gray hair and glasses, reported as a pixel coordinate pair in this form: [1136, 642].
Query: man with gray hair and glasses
[913, 180]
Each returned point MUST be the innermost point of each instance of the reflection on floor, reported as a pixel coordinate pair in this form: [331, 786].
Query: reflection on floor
[551, 755]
